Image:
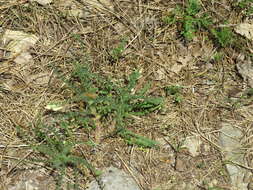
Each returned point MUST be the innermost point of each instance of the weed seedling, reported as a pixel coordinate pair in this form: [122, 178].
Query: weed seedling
[173, 16]
[193, 7]
[246, 5]
[250, 92]
[190, 19]
[247, 95]
[116, 53]
[56, 144]
[96, 98]
[111, 99]
[218, 56]
[224, 36]
[174, 91]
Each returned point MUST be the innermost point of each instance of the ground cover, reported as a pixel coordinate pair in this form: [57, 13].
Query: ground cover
[144, 86]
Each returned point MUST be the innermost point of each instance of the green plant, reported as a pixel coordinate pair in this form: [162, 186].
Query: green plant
[57, 146]
[250, 92]
[173, 16]
[100, 98]
[190, 19]
[218, 56]
[224, 36]
[189, 27]
[247, 96]
[97, 99]
[200, 165]
[249, 10]
[116, 53]
[193, 7]
[174, 91]
[246, 5]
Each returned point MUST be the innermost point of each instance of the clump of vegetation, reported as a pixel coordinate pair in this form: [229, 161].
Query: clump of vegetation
[173, 16]
[190, 18]
[59, 151]
[100, 98]
[97, 98]
[250, 92]
[174, 91]
[224, 36]
[246, 6]
[56, 143]
[218, 56]
[116, 53]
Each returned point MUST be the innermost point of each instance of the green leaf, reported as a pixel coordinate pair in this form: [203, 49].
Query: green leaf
[193, 7]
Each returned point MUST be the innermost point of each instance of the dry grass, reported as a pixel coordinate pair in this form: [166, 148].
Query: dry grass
[153, 47]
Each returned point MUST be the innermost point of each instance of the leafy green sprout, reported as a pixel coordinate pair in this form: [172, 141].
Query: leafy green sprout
[249, 11]
[174, 91]
[173, 17]
[193, 7]
[112, 99]
[99, 97]
[189, 27]
[116, 53]
[250, 92]
[189, 18]
[58, 148]
[57, 144]
[224, 36]
[218, 56]
[247, 5]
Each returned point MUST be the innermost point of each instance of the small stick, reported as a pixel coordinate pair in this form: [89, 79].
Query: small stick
[21, 160]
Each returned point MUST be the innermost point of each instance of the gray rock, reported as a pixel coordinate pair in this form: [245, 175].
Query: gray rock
[232, 149]
[245, 69]
[42, 2]
[32, 180]
[114, 179]
[193, 144]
